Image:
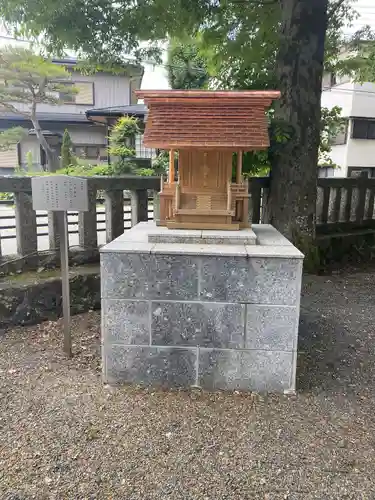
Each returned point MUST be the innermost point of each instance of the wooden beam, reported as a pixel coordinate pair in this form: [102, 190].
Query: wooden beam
[239, 167]
[203, 225]
[171, 166]
[229, 196]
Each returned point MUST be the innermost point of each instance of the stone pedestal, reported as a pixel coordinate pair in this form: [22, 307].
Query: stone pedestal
[218, 310]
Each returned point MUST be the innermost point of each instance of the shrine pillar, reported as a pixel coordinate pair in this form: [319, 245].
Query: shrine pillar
[239, 168]
[171, 167]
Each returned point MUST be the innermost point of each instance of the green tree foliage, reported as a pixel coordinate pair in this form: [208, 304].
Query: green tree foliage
[332, 124]
[241, 37]
[121, 144]
[29, 79]
[187, 68]
[66, 150]
[10, 137]
[357, 57]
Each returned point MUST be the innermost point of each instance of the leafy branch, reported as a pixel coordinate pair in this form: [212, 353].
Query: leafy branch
[10, 137]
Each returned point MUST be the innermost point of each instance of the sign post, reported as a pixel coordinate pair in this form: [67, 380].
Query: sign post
[60, 193]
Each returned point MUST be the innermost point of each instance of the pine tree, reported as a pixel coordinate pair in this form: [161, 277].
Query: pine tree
[28, 80]
[66, 150]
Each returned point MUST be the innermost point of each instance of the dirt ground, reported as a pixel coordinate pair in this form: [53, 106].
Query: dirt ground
[63, 435]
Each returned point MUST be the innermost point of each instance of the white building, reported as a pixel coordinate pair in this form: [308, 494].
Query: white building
[354, 150]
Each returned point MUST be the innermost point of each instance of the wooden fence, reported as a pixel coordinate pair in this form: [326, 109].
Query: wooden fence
[343, 204]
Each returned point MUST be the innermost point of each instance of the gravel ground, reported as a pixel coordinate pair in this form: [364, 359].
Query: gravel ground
[66, 436]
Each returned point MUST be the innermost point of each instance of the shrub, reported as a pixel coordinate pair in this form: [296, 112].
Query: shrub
[121, 142]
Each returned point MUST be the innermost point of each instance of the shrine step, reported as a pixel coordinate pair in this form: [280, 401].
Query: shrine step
[194, 211]
[203, 225]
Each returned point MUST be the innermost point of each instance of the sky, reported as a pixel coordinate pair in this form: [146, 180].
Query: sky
[366, 11]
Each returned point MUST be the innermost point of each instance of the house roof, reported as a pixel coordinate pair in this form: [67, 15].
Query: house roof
[100, 114]
[48, 117]
[47, 133]
[136, 68]
[207, 119]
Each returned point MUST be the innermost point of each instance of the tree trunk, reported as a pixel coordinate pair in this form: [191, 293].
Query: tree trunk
[51, 155]
[291, 203]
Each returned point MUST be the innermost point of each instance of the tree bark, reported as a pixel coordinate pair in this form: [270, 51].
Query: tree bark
[51, 155]
[291, 202]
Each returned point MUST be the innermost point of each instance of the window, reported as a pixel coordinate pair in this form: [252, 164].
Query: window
[341, 137]
[67, 98]
[363, 129]
[360, 172]
[140, 149]
[79, 151]
[91, 151]
[84, 94]
[371, 130]
[103, 152]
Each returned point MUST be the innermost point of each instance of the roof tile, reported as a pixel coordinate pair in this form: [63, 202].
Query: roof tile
[209, 119]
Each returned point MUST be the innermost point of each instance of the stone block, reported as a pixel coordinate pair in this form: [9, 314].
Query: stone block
[139, 206]
[199, 237]
[263, 371]
[164, 235]
[268, 235]
[255, 280]
[223, 316]
[128, 246]
[87, 225]
[202, 249]
[196, 323]
[273, 328]
[153, 277]
[272, 252]
[174, 239]
[156, 366]
[26, 224]
[217, 237]
[126, 321]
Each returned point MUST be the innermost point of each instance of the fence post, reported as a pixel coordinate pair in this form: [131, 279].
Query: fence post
[114, 214]
[255, 190]
[139, 206]
[26, 234]
[87, 229]
[156, 207]
[362, 187]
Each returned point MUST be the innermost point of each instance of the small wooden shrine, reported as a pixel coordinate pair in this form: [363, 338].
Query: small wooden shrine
[206, 128]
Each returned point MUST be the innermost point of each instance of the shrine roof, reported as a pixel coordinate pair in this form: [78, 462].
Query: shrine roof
[206, 119]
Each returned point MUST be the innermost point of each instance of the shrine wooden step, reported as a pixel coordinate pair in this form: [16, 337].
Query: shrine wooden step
[202, 225]
[195, 211]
